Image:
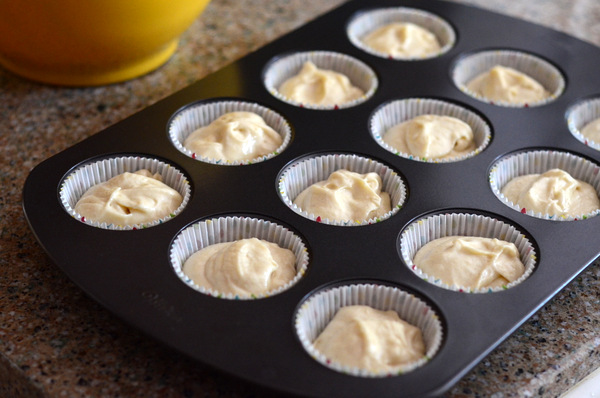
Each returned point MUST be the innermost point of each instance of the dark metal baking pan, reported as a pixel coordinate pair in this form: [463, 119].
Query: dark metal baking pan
[130, 274]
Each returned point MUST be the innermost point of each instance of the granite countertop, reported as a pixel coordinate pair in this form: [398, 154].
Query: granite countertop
[57, 342]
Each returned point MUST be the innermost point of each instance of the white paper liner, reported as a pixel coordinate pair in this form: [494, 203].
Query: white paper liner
[398, 111]
[538, 162]
[470, 66]
[319, 309]
[368, 21]
[424, 230]
[360, 75]
[300, 175]
[189, 119]
[84, 177]
[229, 229]
[581, 114]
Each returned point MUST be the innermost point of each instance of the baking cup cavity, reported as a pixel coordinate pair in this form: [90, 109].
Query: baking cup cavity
[366, 22]
[426, 229]
[84, 177]
[471, 65]
[581, 114]
[194, 116]
[402, 110]
[538, 162]
[313, 315]
[284, 67]
[300, 174]
[229, 229]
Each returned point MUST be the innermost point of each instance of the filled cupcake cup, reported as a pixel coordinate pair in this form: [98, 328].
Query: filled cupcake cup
[469, 66]
[399, 111]
[366, 22]
[427, 229]
[581, 114]
[230, 229]
[299, 175]
[538, 162]
[201, 114]
[284, 67]
[313, 315]
[86, 176]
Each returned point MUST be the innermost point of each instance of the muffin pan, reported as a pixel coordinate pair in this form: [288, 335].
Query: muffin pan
[130, 272]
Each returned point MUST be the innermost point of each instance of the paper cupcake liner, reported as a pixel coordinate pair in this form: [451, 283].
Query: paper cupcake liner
[368, 21]
[282, 68]
[579, 115]
[300, 175]
[468, 67]
[398, 111]
[194, 116]
[427, 229]
[84, 177]
[538, 162]
[229, 229]
[318, 310]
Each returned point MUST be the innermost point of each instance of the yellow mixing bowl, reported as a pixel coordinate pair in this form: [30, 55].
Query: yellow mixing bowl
[91, 42]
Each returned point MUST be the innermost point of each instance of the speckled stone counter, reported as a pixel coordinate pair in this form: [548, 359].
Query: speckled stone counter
[56, 342]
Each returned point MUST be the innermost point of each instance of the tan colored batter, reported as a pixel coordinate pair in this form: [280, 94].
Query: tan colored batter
[319, 87]
[554, 192]
[129, 199]
[403, 40]
[244, 267]
[234, 136]
[432, 136]
[506, 84]
[591, 131]
[344, 196]
[471, 262]
[366, 338]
